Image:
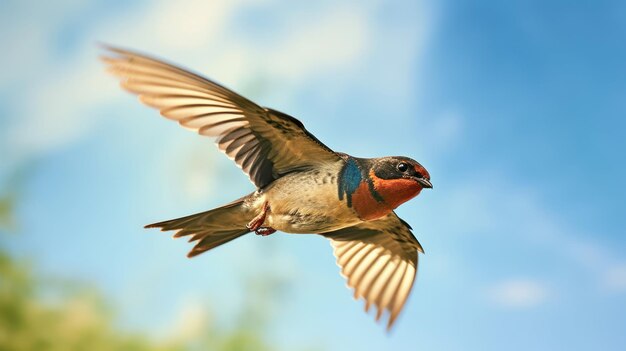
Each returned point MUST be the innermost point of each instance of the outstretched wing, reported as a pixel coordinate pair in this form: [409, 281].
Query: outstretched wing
[266, 144]
[379, 260]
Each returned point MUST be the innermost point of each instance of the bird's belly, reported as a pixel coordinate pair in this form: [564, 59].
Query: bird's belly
[304, 221]
[308, 205]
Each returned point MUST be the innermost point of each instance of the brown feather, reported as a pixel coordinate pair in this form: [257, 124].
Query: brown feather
[379, 260]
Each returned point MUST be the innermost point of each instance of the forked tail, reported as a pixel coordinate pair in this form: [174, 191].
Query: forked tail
[211, 228]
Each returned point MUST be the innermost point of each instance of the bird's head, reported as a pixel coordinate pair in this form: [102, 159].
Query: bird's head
[398, 179]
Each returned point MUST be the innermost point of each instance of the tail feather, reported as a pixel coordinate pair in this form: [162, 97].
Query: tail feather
[211, 228]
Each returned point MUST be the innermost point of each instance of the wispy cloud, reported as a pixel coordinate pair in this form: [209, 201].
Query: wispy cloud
[60, 108]
[518, 293]
[615, 279]
[498, 211]
[54, 110]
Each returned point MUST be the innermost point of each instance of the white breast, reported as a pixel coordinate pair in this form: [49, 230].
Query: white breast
[307, 203]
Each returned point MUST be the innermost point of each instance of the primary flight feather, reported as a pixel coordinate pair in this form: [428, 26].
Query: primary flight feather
[302, 185]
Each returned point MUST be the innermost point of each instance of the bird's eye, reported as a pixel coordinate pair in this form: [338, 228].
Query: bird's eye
[403, 167]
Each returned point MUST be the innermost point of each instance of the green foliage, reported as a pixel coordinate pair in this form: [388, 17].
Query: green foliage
[6, 211]
[45, 313]
[73, 323]
[78, 320]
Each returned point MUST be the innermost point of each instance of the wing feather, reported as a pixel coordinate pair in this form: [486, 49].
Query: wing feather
[379, 260]
[265, 143]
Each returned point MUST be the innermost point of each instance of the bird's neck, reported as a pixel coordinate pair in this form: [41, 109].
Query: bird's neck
[369, 196]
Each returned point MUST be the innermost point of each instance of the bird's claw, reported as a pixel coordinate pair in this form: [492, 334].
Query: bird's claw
[265, 231]
[256, 224]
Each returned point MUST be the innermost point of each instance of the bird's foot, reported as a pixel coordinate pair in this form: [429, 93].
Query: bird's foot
[265, 231]
[256, 223]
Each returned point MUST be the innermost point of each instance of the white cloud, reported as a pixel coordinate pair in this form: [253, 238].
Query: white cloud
[488, 206]
[518, 293]
[167, 28]
[190, 24]
[29, 29]
[198, 173]
[334, 40]
[57, 110]
[53, 107]
[615, 279]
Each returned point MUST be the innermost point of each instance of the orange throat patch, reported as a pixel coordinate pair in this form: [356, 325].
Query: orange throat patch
[394, 192]
[366, 206]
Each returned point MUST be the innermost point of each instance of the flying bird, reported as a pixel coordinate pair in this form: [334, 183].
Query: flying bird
[302, 186]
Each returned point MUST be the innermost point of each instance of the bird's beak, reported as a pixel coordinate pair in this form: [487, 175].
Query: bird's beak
[425, 183]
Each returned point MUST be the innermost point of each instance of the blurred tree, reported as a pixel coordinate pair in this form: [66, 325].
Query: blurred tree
[6, 211]
[46, 313]
[81, 322]
[76, 319]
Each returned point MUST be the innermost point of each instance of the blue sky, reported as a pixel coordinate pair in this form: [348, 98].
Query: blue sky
[516, 108]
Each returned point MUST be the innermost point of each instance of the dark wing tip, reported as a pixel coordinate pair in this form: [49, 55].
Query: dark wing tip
[104, 46]
[160, 225]
[110, 52]
[405, 223]
[112, 48]
[193, 253]
[420, 248]
[390, 324]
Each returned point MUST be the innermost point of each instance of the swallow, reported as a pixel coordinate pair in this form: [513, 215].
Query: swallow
[302, 186]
